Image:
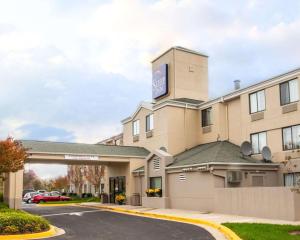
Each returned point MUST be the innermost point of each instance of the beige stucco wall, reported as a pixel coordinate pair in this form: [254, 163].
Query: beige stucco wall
[195, 193]
[273, 122]
[231, 120]
[176, 129]
[263, 202]
[188, 74]
[157, 140]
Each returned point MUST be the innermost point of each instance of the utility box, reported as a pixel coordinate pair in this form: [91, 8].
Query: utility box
[234, 176]
[135, 199]
[104, 198]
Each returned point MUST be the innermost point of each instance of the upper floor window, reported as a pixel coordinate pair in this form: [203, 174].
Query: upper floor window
[292, 179]
[258, 140]
[206, 117]
[289, 92]
[136, 127]
[291, 137]
[257, 101]
[149, 122]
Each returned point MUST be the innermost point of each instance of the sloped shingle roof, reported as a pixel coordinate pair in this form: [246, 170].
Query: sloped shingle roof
[221, 152]
[80, 148]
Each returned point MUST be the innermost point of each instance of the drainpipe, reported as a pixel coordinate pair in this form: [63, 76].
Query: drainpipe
[227, 122]
[185, 134]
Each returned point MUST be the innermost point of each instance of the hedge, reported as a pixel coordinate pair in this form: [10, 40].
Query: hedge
[18, 222]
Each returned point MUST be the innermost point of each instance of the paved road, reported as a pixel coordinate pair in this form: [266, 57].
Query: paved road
[96, 224]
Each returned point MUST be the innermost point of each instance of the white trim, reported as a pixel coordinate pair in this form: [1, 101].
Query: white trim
[84, 154]
[255, 87]
[228, 164]
[146, 105]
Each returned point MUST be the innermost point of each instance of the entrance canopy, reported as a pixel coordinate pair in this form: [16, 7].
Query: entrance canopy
[78, 153]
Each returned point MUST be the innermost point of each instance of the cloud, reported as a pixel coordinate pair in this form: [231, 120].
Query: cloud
[83, 66]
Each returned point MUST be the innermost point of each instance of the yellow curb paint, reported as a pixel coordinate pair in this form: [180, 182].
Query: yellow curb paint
[50, 233]
[228, 233]
[57, 205]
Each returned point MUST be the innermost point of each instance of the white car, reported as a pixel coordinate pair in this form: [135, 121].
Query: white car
[28, 197]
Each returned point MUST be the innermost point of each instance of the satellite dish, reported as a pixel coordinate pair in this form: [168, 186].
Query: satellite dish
[246, 148]
[163, 149]
[266, 153]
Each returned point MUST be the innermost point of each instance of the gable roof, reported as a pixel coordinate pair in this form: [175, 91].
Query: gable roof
[215, 152]
[81, 148]
[144, 104]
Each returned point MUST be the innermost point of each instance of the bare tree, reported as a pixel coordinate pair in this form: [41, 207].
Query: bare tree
[94, 175]
[76, 177]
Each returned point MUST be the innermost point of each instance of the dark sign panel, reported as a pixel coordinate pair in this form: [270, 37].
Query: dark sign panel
[160, 81]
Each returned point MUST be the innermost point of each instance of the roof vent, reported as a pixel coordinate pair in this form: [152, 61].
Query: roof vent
[237, 84]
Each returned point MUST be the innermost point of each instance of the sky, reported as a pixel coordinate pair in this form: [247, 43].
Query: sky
[71, 70]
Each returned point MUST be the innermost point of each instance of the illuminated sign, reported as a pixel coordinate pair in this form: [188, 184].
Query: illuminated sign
[160, 81]
[81, 157]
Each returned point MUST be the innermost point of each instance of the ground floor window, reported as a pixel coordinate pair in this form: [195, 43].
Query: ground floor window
[155, 182]
[155, 189]
[292, 179]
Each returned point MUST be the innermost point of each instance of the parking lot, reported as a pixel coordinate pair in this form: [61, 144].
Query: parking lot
[89, 223]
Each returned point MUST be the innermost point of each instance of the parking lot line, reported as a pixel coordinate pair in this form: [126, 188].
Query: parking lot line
[71, 213]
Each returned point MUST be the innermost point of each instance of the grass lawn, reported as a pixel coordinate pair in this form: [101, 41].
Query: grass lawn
[18, 222]
[75, 200]
[259, 231]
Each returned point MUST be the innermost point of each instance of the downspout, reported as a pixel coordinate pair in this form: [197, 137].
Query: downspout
[174, 72]
[184, 128]
[227, 122]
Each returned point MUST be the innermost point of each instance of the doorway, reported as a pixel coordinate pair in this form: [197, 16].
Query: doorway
[117, 185]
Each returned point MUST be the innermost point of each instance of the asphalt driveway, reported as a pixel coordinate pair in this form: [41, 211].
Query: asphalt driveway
[96, 224]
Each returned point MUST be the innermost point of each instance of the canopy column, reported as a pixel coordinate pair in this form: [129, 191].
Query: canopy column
[13, 188]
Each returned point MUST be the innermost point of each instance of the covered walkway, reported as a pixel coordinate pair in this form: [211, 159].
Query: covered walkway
[119, 160]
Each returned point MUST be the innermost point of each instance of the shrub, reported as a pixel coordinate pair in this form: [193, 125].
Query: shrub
[1, 196]
[18, 221]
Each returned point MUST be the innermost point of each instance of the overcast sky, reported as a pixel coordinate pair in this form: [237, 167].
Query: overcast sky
[71, 70]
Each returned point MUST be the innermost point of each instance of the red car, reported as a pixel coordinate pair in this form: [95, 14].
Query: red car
[47, 197]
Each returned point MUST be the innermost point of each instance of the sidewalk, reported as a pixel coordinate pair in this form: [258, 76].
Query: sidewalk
[217, 218]
[209, 221]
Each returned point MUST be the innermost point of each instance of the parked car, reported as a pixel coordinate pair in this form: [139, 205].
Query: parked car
[47, 197]
[41, 191]
[29, 196]
[56, 192]
[27, 191]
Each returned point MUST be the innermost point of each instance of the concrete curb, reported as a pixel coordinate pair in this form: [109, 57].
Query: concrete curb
[57, 205]
[228, 233]
[52, 232]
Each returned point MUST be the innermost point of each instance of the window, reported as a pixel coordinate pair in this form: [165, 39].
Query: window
[291, 137]
[258, 140]
[292, 179]
[149, 122]
[289, 92]
[155, 182]
[136, 127]
[257, 101]
[206, 117]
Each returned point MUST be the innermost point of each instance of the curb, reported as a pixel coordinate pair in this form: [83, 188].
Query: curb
[228, 233]
[53, 231]
[57, 205]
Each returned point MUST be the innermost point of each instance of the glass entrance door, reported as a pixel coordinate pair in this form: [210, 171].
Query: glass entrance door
[117, 185]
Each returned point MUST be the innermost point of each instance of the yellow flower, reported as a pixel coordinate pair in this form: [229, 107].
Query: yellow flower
[150, 190]
[120, 198]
